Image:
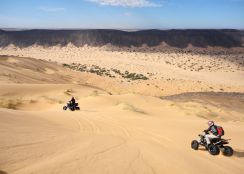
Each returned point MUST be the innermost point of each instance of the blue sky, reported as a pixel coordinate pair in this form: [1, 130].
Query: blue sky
[123, 14]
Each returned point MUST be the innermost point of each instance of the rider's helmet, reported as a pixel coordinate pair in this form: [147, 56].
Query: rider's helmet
[210, 123]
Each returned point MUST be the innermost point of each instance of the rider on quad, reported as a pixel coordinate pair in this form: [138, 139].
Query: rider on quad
[213, 132]
[212, 141]
[72, 105]
[72, 101]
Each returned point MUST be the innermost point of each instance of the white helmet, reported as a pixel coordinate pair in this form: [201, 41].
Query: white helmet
[210, 123]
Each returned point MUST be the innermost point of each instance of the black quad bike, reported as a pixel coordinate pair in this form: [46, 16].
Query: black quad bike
[71, 106]
[214, 148]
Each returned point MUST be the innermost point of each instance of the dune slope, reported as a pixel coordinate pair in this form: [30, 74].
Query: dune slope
[111, 134]
[121, 132]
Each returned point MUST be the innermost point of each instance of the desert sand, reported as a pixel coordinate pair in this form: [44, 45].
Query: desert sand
[169, 73]
[124, 126]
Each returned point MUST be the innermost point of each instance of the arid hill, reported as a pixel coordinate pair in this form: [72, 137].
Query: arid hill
[175, 38]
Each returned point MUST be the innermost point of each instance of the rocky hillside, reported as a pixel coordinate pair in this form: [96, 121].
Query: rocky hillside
[174, 38]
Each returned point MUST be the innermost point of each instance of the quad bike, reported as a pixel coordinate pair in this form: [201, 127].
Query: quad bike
[71, 106]
[216, 145]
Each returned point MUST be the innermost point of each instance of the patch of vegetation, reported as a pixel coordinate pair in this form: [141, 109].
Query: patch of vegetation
[52, 100]
[94, 93]
[10, 104]
[134, 76]
[68, 92]
[129, 107]
[112, 73]
[32, 101]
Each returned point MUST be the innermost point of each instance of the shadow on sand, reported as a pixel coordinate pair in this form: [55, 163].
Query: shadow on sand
[239, 153]
[201, 149]
[2, 172]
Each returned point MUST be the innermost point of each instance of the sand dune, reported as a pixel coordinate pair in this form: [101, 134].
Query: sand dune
[27, 70]
[122, 127]
[111, 134]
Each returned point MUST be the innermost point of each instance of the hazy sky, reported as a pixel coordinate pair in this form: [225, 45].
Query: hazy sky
[161, 14]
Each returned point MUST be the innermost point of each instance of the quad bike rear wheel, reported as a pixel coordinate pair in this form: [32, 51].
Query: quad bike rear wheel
[213, 149]
[194, 145]
[65, 108]
[227, 151]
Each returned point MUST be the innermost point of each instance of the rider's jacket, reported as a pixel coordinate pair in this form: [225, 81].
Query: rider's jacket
[213, 130]
[72, 101]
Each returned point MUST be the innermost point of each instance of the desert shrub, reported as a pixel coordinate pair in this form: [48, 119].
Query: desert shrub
[130, 107]
[10, 104]
[94, 69]
[94, 93]
[134, 76]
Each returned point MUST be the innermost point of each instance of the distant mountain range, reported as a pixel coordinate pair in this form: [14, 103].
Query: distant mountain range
[226, 38]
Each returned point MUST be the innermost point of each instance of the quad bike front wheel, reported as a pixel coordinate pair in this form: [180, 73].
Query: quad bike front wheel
[194, 145]
[65, 108]
[227, 151]
[213, 149]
